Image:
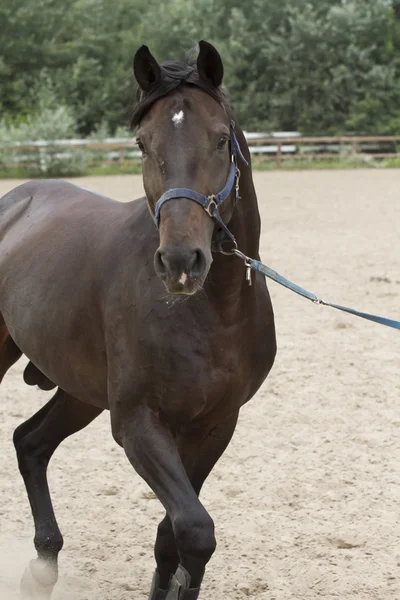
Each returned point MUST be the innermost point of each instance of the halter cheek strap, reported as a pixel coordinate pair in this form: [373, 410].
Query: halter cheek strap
[211, 203]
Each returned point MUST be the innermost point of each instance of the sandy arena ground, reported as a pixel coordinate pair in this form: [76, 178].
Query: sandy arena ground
[306, 500]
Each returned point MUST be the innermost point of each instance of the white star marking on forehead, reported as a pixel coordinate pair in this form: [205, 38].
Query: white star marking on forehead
[178, 118]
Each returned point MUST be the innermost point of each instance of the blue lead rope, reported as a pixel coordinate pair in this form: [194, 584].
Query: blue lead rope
[256, 265]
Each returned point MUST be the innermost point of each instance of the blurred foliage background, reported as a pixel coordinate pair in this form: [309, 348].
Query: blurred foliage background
[315, 66]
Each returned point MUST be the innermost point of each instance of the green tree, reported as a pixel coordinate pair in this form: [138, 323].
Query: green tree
[319, 66]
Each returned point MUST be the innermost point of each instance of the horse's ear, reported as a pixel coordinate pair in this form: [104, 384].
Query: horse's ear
[209, 64]
[146, 69]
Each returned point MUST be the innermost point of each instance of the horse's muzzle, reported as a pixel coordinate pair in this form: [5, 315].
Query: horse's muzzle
[181, 272]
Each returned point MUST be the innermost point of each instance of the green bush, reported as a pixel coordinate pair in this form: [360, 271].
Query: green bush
[316, 66]
[49, 122]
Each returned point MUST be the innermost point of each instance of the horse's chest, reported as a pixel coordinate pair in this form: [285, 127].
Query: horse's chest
[201, 371]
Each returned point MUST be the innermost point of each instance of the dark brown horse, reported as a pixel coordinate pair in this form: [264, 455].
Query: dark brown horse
[81, 298]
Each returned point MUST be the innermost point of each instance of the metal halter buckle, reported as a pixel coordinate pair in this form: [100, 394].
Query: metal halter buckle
[211, 203]
[228, 252]
[237, 179]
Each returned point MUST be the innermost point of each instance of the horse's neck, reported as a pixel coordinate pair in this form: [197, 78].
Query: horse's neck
[228, 273]
[245, 223]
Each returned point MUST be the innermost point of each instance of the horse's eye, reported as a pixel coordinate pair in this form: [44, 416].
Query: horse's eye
[140, 146]
[222, 143]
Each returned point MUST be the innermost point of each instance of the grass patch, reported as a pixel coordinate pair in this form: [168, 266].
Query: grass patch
[134, 168]
[14, 173]
[96, 170]
[258, 164]
[364, 162]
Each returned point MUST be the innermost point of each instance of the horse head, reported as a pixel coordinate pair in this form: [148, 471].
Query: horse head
[188, 149]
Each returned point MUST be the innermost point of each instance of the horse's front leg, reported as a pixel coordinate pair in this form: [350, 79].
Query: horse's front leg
[151, 449]
[199, 452]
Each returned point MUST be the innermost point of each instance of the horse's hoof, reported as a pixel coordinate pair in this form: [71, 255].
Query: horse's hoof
[179, 586]
[38, 581]
[156, 593]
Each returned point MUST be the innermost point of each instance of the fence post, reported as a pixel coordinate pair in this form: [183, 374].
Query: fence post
[42, 158]
[279, 155]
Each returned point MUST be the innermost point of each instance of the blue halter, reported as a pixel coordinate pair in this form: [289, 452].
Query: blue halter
[211, 203]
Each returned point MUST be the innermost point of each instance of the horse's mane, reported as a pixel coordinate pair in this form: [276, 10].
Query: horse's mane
[173, 75]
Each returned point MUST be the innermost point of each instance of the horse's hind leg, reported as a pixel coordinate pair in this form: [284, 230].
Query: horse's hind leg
[199, 456]
[9, 351]
[35, 441]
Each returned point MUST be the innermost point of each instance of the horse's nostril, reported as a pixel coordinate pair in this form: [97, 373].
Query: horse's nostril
[197, 263]
[159, 264]
[181, 267]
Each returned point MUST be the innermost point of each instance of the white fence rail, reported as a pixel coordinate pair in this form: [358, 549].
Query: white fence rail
[276, 146]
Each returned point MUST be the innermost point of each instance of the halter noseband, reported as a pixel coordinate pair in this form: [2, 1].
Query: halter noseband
[211, 203]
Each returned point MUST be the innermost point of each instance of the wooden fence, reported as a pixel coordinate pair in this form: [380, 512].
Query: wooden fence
[278, 148]
[328, 147]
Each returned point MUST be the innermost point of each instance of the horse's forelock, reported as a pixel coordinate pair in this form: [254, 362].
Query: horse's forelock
[173, 75]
